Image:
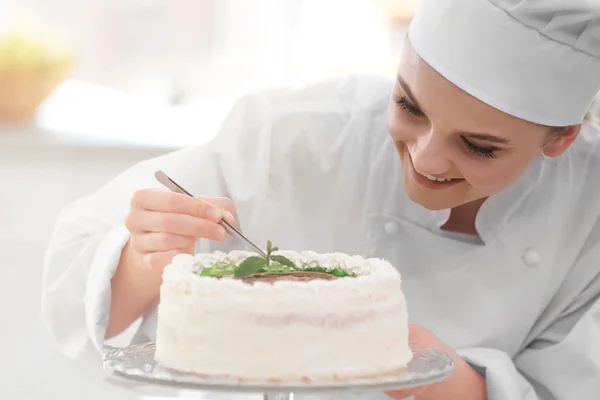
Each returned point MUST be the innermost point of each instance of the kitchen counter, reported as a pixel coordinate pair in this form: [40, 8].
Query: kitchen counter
[80, 115]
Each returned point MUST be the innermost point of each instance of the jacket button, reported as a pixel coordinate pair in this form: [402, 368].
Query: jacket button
[531, 258]
[391, 228]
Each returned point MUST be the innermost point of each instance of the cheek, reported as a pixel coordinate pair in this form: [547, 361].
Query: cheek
[491, 174]
[399, 127]
[495, 174]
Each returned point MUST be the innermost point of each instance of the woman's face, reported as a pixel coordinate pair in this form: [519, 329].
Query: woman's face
[454, 148]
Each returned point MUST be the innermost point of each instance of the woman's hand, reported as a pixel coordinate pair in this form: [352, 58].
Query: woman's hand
[464, 384]
[163, 224]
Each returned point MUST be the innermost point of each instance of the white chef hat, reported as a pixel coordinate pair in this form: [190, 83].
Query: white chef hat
[538, 60]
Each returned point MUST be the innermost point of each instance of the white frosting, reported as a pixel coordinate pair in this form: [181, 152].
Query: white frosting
[178, 275]
[320, 329]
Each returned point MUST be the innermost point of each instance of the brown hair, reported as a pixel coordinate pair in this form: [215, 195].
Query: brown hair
[592, 114]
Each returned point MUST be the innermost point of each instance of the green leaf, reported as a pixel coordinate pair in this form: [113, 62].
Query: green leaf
[250, 265]
[277, 268]
[217, 271]
[283, 261]
[269, 247]
[339, 272]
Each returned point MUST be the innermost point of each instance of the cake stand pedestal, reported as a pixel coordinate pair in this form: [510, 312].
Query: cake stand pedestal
[134, 367]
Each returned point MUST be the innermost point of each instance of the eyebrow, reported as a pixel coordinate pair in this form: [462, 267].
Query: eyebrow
[408, 91]
[478, 136]
[486, 137]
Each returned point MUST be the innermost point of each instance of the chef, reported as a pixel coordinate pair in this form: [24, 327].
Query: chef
[475, 171]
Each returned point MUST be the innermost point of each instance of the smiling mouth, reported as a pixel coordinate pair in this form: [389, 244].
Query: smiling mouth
[431, 181]
[436, 178]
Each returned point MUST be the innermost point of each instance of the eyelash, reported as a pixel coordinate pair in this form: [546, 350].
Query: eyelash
[479, 151]
[406, 106]
[476, 150]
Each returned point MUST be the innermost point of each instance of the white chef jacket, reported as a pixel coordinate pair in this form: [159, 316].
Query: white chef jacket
[315, 169]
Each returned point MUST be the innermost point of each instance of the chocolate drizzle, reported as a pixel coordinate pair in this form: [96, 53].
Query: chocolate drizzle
[298, 276]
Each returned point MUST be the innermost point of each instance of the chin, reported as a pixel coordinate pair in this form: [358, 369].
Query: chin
[430, 202]
[435, 200]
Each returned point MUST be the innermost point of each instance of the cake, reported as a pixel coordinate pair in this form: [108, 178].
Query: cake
[291, 317]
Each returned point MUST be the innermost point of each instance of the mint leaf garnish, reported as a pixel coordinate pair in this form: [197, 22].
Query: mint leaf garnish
[283, 261]
[217, 271]
[273, 263]
[250, 265]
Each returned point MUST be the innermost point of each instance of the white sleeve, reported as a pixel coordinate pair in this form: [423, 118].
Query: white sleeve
[86, 244]
[267, 140]
[562, 361]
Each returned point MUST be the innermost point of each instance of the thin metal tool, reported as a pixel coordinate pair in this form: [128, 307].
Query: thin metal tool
[175, 187]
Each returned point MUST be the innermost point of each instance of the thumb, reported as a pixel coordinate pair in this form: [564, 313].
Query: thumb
[159, 260]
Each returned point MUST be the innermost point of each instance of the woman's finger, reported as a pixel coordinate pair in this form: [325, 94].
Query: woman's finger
[175, 203]
[176, 224]
[223, 203]
[159, 260]
[148, 242]
[226, 205]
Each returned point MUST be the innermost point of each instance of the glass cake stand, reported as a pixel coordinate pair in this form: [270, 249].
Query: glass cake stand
[135, 368]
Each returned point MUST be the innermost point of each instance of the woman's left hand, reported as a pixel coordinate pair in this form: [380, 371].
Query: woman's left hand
[465, 383]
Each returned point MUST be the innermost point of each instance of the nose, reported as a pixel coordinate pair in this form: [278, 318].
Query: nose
[428, 155]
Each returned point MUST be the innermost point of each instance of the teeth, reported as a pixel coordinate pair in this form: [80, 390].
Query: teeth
[435, 178]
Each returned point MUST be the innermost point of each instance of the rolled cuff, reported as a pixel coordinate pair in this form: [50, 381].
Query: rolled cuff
[504, 381]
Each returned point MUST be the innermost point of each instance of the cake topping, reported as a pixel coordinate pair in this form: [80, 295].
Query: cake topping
[300, 276]
[274, 267]
[252, 265]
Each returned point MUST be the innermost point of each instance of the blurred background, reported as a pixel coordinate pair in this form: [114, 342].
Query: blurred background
[90, 87]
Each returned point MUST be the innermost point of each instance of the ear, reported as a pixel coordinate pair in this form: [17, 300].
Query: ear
[561, 142]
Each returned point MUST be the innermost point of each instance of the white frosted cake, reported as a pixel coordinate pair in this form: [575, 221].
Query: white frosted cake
[329, 316]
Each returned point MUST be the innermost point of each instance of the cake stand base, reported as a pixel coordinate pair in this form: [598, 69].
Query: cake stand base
[134, 367]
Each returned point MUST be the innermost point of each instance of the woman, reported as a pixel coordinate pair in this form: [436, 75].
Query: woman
[491, 215]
